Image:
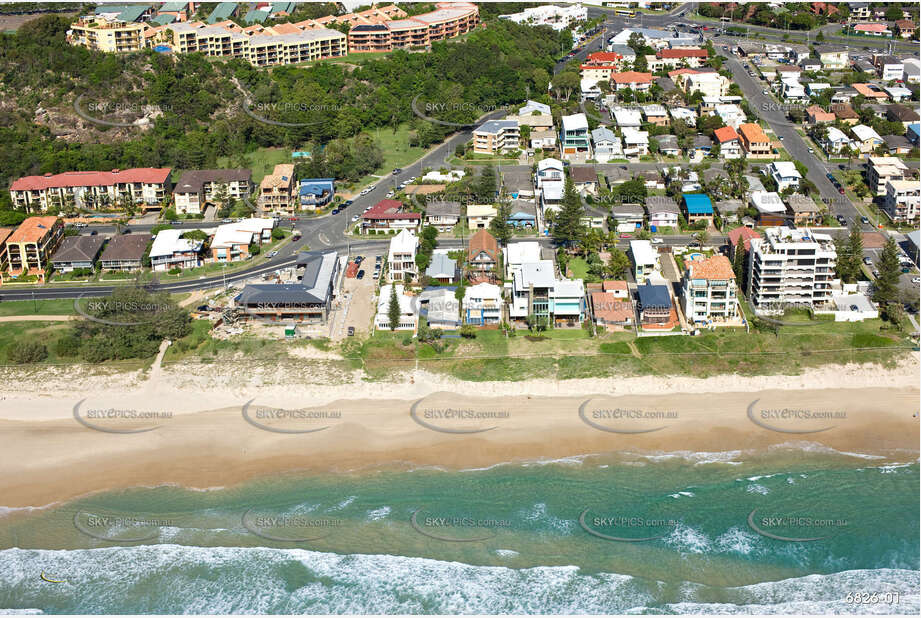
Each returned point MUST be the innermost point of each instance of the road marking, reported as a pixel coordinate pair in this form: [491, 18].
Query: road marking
[323, 239]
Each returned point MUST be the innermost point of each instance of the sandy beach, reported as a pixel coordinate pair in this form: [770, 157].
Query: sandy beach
[173, 426]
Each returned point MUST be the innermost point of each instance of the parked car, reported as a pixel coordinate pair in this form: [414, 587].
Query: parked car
[867, 261]
[361, 274]
[626, 236]
[864, 220]
[397, 171]
[359, 259]
[272, 254]
[657, 241]
[347, 203]
[334, 211]
[916, 280]
[351, 331]
[226, 221]
[841, 219]
[876, 274]
[355, 218]
[175, 222]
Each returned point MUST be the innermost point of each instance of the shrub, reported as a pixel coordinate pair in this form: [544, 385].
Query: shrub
[467, 331]
[67, 346]
[25, 352]
[175, 270]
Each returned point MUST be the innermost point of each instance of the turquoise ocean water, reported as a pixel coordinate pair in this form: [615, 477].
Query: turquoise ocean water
[624, 533]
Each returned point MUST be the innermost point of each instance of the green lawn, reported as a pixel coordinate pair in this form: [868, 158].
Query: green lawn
[261, 161]
[58, 306]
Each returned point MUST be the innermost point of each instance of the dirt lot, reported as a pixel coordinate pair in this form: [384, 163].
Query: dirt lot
[11, 23]
[360, 302]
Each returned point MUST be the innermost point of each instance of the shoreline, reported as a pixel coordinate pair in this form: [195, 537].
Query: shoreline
[57, 459]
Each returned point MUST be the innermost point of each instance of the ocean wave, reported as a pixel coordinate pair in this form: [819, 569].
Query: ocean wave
[221, 580]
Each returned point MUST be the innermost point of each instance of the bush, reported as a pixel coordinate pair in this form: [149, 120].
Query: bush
[67, 346]
[174, 271]
[277, 233]
[467, 331]
[25, 352]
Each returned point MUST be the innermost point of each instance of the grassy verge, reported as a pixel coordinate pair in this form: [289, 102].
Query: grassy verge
[57, 306]
[571, 353]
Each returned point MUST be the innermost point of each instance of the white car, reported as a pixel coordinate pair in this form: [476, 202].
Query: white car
[272, 254]
[657, 241]
[916, 280]
[355, 218]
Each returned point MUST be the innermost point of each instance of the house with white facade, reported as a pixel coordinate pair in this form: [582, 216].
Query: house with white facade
[401, 256]
[785, 174]
[709, 292]
[482, 304]
[409, 309]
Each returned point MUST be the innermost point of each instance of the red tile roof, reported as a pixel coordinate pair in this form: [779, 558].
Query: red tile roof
[746, 234]
[717, 267]
[611, 285]
[725, 134]
[32, 229]
[683, 53]
[870, 28]
[149, 175]
[390, 209]
[603, 57]
[631, 77]
[483, 241]
[753, 133]
[609, 308]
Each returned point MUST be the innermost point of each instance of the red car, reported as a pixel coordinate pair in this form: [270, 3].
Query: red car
[626, 236]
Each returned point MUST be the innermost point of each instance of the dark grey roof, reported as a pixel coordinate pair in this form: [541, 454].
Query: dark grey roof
[725, 207]
[442, 207]
[627, 210]
[126, 247]
[192, 181]
[666, 140]
[653, 296]
[702, 141]
[617, 174]
[517, 180]
[666, 84]
[526, 206]
[661, 203]
[897, 141]
[78, 249]
[583, 173]
[712, 173]
[314, 288]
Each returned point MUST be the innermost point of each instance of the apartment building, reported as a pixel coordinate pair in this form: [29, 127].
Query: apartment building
[881, 170]
[790, 267]
[754, 140]
[276, 191]
[709, 84]
[557, 17]
[401, 256]
[107, 35]
[30, 246]
[903, 200]
[147, 186]
[709, 291]
[383, 34]
[277, 45]
[5, 233]
[496, 136]
[599, 66]
[690, 56]
[198, 188]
